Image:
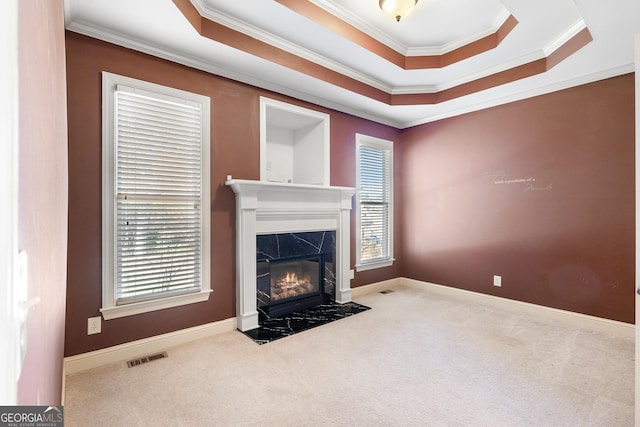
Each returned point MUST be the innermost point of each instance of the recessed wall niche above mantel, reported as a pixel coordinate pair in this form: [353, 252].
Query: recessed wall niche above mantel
[294, 144]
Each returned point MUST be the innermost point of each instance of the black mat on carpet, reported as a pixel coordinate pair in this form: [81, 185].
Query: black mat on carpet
[275, 328]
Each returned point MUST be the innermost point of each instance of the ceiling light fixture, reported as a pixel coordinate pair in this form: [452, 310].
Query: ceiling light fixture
[397, 9]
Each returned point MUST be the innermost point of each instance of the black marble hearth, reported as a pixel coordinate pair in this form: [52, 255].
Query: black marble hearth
[275, 328]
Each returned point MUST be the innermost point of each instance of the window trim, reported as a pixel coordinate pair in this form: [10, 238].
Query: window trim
[385, 145]
[109, 308]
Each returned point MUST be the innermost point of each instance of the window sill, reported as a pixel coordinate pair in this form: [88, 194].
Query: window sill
[115, 312]
[387, 262]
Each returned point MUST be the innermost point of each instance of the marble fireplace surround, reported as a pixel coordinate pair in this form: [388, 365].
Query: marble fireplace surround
[273, 208]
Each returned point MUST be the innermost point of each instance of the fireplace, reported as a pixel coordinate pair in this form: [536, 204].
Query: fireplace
[289, 284]
[294, 271]
[267, 209]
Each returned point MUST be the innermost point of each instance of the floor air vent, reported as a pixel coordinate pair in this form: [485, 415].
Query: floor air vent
[146, 359]
[387, 291]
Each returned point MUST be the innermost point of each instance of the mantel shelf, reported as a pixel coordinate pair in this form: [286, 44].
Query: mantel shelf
[244, 185]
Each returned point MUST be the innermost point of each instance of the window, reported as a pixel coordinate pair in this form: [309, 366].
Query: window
[374, 209]
[155, 187]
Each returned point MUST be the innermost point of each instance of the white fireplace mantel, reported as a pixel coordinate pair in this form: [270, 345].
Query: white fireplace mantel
[268, 208]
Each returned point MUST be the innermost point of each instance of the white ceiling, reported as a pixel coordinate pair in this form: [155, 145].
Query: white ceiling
[434, 28]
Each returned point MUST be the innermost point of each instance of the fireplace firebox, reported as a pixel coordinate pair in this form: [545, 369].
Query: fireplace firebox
[290, 284]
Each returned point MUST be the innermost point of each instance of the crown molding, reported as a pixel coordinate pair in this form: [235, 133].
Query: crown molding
[385, 38]
[563, 38]
[506, 72]
[362, 25]
[457, 44]
[276, 41]
[150, 49]
[543, 53]
[69, 11]
[516, 62]
[254, 80]
[281, 43]
[521, 95]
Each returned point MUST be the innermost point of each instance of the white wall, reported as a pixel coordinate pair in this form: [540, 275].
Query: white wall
[308, 153]
[279, 154]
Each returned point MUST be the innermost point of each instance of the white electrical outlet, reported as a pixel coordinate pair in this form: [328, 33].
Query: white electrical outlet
[94, 325]
[497, 280]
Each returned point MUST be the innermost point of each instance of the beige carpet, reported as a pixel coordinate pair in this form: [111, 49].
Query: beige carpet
[415, 359]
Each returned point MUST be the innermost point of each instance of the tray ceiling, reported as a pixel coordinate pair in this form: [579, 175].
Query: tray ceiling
[446, 58]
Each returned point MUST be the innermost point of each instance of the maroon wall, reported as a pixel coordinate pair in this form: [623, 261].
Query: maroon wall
[234, 151]
[42, 205]
[567, 242]
[539, 191]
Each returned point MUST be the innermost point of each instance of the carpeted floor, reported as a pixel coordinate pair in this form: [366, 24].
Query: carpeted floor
[415, 359]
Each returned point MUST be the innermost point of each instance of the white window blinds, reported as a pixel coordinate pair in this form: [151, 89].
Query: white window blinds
[374, 185]
[155, 197]
[158, 185]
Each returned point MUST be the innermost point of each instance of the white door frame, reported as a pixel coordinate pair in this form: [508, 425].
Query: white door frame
[637, 274]
[9, 324]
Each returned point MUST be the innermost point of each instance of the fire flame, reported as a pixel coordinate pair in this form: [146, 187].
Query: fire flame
[291, 278]
[290, 285]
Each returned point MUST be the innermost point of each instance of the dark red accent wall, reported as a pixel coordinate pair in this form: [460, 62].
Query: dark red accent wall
[234, 151]
[539, 191]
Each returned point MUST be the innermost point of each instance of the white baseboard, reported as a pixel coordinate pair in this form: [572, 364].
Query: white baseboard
[376, 287]
[64, 384]
[119, 353]
[575, 319]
